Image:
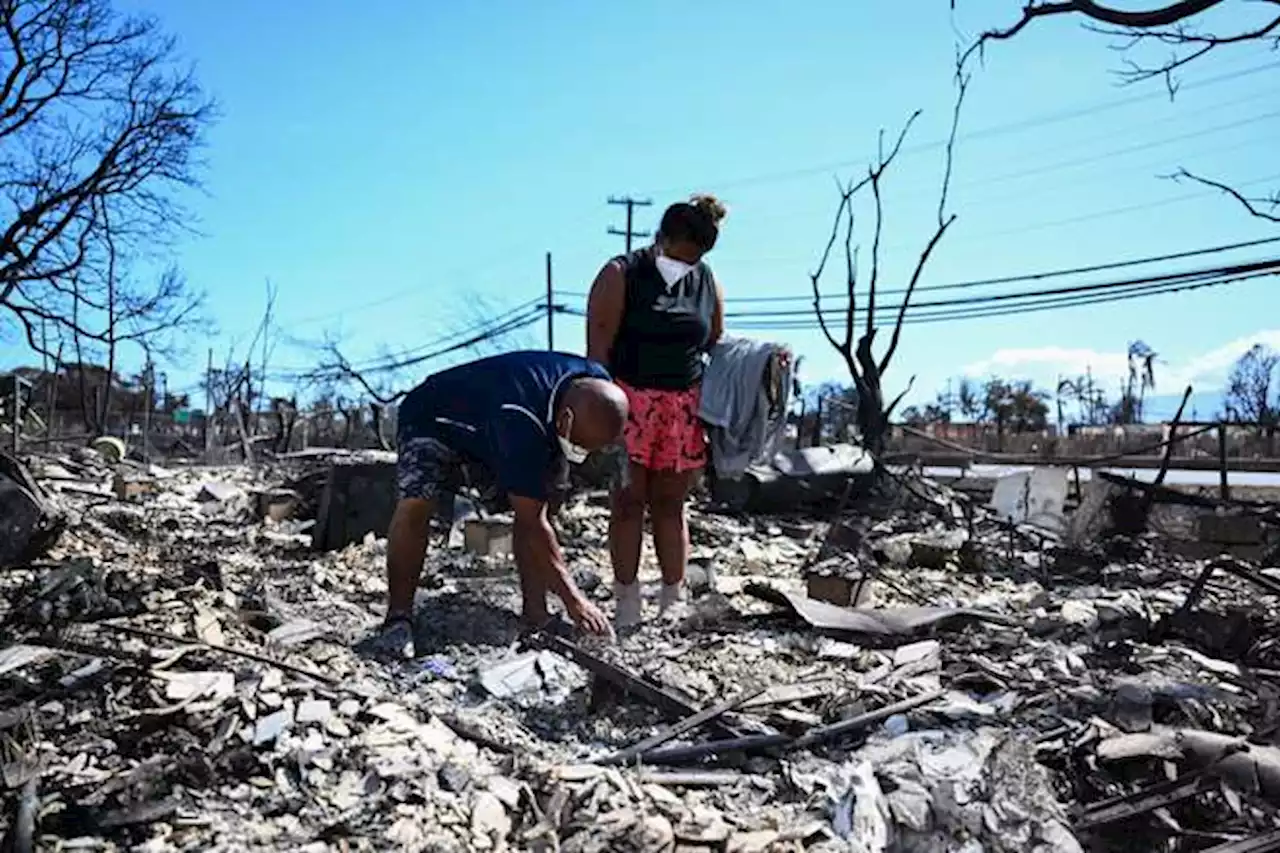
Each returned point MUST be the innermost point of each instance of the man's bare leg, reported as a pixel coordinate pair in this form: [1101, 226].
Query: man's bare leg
[533, 589]
[406, 552]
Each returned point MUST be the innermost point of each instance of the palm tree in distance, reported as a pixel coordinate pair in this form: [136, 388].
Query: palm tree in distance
[1142, 378]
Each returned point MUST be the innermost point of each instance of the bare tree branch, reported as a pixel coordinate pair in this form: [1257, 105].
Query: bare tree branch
[944, 221]
[1163, 16]
[866, 372]
[1266, 207]
[1169, 25]
[1178, 25]
[845, 347]
[94, 119]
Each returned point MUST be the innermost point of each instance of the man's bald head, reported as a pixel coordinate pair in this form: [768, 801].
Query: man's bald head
[599, 413]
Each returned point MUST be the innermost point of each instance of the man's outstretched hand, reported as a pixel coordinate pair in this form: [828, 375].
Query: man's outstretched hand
[588, 617]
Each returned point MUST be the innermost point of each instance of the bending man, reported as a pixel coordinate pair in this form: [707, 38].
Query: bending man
[518, 416]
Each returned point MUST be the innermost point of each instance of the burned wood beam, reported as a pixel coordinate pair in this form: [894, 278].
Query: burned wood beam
[1195, 593]
[854, 724]
[657, 695]
[694, 752]
[674, 731]
[23, 831]
[242, 653]
[692, 778]
[1267, 842]
[1168, 494]
[811, 738]
[1165, 459]
[1146, 800]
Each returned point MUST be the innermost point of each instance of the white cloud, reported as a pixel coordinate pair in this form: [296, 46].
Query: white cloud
[1206, 371]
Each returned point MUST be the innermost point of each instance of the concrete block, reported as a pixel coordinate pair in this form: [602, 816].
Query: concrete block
[130, 488]
[358, 498]
[278, 504]
[1230, 529]
[844, 590]
[489, 537]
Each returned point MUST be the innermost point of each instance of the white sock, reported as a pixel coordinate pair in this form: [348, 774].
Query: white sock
[629, 606]
[669, 596]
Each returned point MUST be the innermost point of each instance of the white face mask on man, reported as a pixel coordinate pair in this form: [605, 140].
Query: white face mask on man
[573, 453]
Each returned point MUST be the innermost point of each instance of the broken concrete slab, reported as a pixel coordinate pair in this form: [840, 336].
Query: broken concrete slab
[1037, 497]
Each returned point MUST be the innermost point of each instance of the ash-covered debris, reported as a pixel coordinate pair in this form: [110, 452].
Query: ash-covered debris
[913, 672]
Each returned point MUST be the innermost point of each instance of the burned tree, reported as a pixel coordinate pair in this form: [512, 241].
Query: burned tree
[1250, 396]
[98, 129]
[866, 370]
[1187, 28]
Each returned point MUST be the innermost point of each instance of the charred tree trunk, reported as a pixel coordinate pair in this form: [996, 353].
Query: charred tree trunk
[378, 412]
[874, 412]
[350, 421]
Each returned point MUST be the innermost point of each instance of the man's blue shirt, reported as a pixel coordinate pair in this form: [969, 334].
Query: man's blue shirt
[499, 411]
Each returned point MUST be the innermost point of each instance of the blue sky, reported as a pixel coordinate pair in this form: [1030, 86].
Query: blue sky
[398, 169]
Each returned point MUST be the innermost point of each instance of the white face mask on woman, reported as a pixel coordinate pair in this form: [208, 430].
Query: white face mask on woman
[670, 269]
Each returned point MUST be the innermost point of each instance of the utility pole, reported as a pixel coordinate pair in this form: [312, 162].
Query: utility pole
[551, 309]
[631, 204]
[17, 413]
[208, 400]
[149, 381]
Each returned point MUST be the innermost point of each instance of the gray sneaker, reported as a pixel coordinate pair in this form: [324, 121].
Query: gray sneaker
[393, 640]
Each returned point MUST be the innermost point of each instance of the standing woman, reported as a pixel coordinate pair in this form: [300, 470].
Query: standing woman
[651, 317]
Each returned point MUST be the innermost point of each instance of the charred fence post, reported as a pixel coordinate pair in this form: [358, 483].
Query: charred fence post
[1223, 488]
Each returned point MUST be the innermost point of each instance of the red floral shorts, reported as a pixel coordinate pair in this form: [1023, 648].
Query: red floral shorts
[663, 431]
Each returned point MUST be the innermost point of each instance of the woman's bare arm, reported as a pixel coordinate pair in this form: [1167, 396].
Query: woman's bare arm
[717, 317]
[604, 312]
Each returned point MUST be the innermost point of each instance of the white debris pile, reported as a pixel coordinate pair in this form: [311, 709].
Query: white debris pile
[178, 671]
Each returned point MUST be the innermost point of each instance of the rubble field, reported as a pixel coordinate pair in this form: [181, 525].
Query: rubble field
[904, 671]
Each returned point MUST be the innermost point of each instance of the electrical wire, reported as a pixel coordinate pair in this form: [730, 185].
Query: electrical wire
[390, 365]
[1055, 303]
[1168, 278]
[480, 327]
[1010, 279]
[984, 133]
[1032, 302]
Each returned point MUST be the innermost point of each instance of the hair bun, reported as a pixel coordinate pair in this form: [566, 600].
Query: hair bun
[710, 205]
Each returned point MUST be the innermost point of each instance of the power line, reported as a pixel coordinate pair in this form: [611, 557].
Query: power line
[505, 323]
[1011, 279]
[984, 133]
[1042, 168]
[1237, 269]
[510, 326]
[1028, 301]
[1057, 223]
[1045, 305]
[499, 260]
